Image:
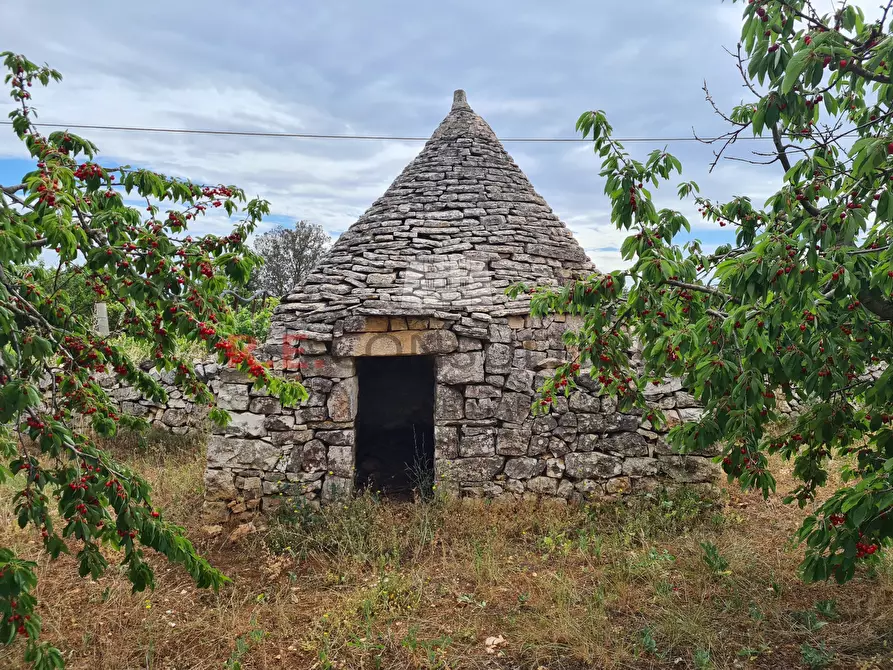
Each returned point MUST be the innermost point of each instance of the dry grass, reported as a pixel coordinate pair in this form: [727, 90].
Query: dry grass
[399, 585]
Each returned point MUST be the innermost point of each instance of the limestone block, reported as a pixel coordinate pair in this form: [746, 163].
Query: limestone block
[647, 484]
[618, 486]
[640, 467]
[514, 486]
[689, 469]
[626, 444]
[527, 360]
[482, 391]
[228, 375]
[295, 459]
[606, 423]
[398, 323]
[558, 447]
[566, 433]
[499, 358]
[586, 443]
[252, 453]
[134, 408]
[667, 402]
[590, 465]
[246, 424]
[524, 468]
[469, 344]
[565, 489]
[415, 323]
[483, 490]
[500, 333]
[318, 385]
[125, 393]
[568, 420]
[265, 405]
[549, 363]
[470, 469]
[584, 402]
[233, 396]
[690, 414]
[477, 442]
[279, 422]
[590, 488]
[342, 403]
[219, 485]
[221, 451]
[214, 512]
[461, 368]
[544, 424]
[672, 417]
[482, 408]
[543, 486]
[555, 468]
[272, 488]
[327, 366]
[175, 417]
[512, 441]
[539, 445]
[448, 403]
[336, 488]
[365, 324]
[446, 442]
[395, 343]
[520, 380]
[301, 344]
[668, 386]
[342, 438]
[310, 415]
[513, 407]
[340, 461]
[313, 456]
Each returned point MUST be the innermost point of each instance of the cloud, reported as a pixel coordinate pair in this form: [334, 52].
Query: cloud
[389, 68]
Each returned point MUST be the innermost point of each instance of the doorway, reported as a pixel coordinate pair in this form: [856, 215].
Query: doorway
[395, 424]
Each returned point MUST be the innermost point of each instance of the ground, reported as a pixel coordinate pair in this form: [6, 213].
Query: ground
[471, 584]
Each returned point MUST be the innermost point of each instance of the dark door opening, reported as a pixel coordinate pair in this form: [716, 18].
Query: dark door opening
[395, 424]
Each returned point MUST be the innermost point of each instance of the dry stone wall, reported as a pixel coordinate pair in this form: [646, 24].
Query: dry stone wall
[178, 415]
[487, 443]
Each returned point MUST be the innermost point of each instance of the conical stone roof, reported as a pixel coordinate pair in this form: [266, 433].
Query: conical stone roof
[455, 229]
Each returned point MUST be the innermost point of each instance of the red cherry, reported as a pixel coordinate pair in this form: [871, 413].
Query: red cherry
[842, 64]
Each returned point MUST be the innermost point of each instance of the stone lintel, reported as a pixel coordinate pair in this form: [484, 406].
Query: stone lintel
[396, 343]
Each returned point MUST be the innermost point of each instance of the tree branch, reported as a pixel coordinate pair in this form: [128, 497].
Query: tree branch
[873, 302]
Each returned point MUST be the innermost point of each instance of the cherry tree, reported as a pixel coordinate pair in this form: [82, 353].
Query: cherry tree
[800, 306]
[168, 284]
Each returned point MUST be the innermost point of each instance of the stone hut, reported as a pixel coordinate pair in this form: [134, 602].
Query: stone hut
[418, 363]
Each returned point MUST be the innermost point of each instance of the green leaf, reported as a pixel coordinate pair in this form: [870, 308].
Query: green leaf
[794, 69]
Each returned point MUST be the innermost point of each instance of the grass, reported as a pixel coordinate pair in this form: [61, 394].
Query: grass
[669, 580]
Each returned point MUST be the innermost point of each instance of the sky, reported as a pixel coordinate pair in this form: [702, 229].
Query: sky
[389, 68]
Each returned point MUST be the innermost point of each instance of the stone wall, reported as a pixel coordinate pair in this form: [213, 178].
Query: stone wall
[486, 440]
[179, 415]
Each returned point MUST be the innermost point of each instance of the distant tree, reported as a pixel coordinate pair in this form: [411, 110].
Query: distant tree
[289, 254]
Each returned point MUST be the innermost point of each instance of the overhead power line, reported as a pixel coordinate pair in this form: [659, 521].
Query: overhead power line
[321, 136]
